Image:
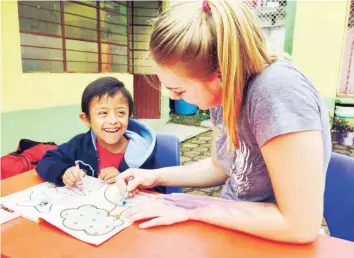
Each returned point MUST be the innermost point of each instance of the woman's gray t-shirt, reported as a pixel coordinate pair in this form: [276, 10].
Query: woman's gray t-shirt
[280, 100]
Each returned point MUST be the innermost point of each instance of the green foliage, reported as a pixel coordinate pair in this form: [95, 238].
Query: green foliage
[203, 115]
[330, 118]
[342, 126]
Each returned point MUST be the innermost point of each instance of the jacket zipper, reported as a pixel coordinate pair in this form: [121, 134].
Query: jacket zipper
[98, 163]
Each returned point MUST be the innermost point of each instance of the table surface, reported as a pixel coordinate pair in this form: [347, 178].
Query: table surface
[23, 238]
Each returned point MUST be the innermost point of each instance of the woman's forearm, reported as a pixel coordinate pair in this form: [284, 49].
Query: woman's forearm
[199, 174]
[260, 219]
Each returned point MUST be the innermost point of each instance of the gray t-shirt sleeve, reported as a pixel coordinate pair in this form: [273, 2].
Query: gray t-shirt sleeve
[280, 103]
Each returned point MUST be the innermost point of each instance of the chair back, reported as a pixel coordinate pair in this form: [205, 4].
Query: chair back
[168, 155]
[339, 197]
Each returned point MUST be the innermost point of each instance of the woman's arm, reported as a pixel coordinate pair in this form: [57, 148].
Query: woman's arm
[295, 164]
[204, 173]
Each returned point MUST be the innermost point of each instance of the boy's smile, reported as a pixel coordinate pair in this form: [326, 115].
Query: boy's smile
[111, 130]
[108, 119]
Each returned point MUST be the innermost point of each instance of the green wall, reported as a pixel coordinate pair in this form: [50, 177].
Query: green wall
[57, 124]
[289, 26]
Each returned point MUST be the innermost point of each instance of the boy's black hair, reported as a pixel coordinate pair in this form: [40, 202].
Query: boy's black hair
[104, 86]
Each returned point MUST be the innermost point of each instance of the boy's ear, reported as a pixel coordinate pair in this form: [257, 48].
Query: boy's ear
[85, 119]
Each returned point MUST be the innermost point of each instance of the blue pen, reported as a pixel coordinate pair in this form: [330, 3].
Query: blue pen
[125, 197]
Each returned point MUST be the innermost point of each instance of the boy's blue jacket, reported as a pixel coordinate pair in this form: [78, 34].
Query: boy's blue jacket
[140, 153]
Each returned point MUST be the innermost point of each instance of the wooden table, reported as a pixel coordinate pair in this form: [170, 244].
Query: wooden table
[22, 238]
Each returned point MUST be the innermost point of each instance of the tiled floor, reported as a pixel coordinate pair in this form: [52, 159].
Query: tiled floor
[183, 132]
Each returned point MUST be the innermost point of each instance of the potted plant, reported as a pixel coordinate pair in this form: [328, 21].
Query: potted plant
[345, 130]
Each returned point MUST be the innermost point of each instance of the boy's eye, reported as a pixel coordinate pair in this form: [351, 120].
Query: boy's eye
[102, 113]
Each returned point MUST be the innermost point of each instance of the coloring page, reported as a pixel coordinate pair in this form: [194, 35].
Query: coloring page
[90, 212]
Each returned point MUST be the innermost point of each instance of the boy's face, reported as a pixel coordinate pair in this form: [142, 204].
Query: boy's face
[109, 118]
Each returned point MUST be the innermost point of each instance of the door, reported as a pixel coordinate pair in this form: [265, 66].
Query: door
[147, 96]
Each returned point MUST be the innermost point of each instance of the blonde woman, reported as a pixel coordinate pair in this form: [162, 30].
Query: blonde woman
[271, 140]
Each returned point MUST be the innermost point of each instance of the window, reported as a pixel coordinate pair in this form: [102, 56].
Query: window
[142, 13]
[74, 36]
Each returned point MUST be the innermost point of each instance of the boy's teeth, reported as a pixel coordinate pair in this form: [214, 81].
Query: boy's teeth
[111, 130]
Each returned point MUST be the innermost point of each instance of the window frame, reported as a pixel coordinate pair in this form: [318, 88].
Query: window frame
[99, 7]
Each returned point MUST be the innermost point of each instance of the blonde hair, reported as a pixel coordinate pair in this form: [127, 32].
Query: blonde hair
[228, 40]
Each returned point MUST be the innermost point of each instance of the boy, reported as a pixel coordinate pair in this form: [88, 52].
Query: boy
[114, 143]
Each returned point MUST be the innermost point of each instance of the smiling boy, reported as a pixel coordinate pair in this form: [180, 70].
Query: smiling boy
[114, 142]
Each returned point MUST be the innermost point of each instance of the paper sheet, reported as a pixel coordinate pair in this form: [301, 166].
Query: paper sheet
[91, 212]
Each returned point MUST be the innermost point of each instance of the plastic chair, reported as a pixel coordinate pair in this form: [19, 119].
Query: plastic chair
[339, 197]
[168, 155]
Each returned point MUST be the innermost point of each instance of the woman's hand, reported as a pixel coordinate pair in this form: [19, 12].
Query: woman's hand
[171, 208]
[160, 210]
[133, 179]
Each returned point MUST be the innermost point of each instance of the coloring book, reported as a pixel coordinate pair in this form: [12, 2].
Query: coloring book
[90, 212]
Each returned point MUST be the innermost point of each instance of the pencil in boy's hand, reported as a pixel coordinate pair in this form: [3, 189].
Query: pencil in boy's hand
[77, 167]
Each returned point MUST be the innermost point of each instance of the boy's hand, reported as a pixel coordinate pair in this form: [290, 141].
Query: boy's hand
[73, 176]
[108, 175]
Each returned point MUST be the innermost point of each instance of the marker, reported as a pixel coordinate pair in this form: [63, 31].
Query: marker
[124, 200]
[78, 184]
[6, 209]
